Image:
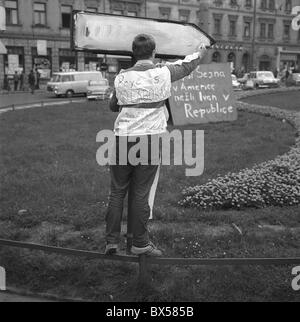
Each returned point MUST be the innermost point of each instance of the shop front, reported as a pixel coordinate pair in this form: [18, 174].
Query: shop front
[92, 61]
[14, 61]
[289, 60]
[265, 63]
[43, 64]
[67, 60]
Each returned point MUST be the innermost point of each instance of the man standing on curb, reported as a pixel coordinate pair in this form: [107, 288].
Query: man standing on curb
[140, 94]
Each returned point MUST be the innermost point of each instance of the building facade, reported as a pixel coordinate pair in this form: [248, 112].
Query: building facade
[249, 33]
[252, 34]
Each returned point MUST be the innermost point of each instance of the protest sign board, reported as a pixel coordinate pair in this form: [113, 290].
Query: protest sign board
[114, 34]
[203, 97]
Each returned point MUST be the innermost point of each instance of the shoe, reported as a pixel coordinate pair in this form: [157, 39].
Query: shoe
[111, 249]
[150, 250]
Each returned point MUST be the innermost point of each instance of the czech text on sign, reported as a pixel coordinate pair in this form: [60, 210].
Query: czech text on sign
[204, 96]
[114, 34]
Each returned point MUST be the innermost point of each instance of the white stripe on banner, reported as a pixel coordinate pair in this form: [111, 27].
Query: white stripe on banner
[153, 192]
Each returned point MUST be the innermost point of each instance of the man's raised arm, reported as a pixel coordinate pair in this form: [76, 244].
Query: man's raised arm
[183, 68]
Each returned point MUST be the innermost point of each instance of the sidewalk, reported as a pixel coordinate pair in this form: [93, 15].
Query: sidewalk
[24, 98]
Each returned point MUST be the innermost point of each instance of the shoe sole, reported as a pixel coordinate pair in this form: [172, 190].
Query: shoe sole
[146, 254]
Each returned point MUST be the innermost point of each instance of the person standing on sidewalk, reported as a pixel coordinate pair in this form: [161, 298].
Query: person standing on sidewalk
[31, 81]
[141, 115]
[22, 79]
[16, 81]
[6, 85]
[37, 79]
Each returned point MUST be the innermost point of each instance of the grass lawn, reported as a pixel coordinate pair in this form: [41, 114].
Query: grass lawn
[287, 101]
[48, 167]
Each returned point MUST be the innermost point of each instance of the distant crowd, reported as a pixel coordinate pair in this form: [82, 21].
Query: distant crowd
[22, 82]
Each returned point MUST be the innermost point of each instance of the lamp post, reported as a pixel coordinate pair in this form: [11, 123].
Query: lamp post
[254, 35]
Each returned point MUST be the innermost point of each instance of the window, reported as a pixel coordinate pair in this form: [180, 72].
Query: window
[67, 78]
[271, 31]
[217, 26]
[231, 59]
[216, 57]
[286, 31]
[66, 12]
[232, 28]
[233, 3]
[218, 3]
[262, 30]
[247, 29]
[184, 15]
[39, 14]
[248, 3]
[263, 4]
[288, 6]
[272, 5]
[164, 13]
[11, 9]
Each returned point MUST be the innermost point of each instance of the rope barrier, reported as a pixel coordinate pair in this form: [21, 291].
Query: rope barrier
[143, 260]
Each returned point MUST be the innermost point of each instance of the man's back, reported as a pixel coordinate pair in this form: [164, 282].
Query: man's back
[141, 92]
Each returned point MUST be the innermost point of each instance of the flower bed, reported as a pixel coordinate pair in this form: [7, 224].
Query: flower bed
[272, 183]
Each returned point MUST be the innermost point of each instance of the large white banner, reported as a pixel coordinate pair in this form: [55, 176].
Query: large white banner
[114, 34]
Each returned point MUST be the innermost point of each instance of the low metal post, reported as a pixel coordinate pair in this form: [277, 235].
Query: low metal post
[143, 272]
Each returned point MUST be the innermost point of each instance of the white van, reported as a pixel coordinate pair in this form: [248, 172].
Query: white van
[71, 83]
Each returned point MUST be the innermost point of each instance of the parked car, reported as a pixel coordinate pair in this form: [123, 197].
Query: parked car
[71, 83]
[98, 90]
[264, 79]
[293, 80]
[235, 84]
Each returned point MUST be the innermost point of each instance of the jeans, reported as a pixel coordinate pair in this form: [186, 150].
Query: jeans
[137, 181]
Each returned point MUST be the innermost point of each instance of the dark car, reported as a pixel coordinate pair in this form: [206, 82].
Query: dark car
[293, 80]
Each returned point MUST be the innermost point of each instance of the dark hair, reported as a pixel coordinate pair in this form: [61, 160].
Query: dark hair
[143, 46]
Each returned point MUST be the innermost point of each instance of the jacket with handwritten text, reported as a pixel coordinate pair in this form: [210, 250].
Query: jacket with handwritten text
[141, 92]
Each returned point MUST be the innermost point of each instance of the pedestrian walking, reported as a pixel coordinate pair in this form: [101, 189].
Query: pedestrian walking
[31, 81]
[37, 79]
[22, 80]
[16, 81]
[6, 85]
[140, 118]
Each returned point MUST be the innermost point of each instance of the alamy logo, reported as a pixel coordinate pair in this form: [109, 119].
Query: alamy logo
[187, 147]
[2, 279]
[296, 20]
